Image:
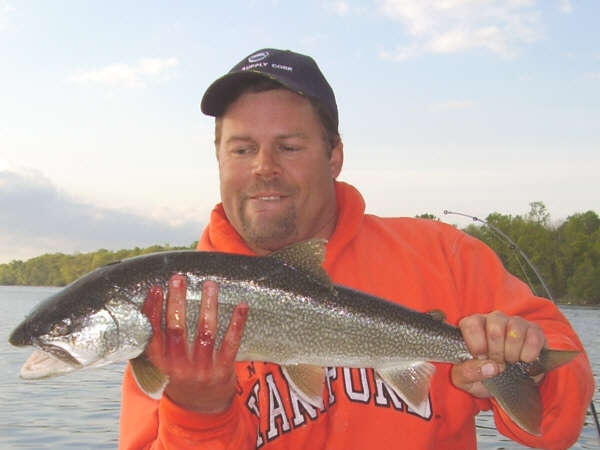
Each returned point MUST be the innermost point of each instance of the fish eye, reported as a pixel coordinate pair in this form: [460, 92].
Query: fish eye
[61, 328]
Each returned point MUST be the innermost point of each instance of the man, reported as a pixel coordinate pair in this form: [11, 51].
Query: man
[279, 154]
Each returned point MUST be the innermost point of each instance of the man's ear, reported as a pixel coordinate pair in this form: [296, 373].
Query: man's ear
[337, 159]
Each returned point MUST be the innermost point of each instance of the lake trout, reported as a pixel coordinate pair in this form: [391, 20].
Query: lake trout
[297, 318]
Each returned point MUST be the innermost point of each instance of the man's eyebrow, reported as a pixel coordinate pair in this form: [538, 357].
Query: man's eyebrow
[297, 134]
[238, 138]
[281, 136]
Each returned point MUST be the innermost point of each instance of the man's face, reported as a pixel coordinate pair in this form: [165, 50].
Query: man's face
[277, 180]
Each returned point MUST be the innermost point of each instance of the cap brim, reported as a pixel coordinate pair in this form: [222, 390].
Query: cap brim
[220, 93]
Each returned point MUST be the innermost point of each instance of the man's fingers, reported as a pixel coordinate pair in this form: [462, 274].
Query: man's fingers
[175, 318]
[535, 340]
[473, 331]
[516, 331]
[494, 339]
[233, 337]
[469, 374]
[153, 309]
[474, 370]
[495, 327]
[207, 326]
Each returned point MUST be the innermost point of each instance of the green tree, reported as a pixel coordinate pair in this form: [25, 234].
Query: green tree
[584, 285]
[538, 213]
[512, 236]
[579, 245]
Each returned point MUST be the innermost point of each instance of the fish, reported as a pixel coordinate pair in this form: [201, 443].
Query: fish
[297, 318]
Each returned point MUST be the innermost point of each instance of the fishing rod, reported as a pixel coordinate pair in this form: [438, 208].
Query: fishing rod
[515, 248]
[512, 245]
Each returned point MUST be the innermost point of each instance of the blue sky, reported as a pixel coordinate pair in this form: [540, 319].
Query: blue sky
[469, 105]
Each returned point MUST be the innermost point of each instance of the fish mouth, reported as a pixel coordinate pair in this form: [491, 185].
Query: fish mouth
[43, 365]
[56, 352]
[20, 337]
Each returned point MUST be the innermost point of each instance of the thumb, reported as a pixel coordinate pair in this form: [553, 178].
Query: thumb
[469, 374]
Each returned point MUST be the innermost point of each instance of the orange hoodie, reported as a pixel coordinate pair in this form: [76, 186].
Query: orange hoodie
[421, 264]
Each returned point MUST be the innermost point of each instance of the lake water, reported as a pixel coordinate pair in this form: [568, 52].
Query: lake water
[81, 410]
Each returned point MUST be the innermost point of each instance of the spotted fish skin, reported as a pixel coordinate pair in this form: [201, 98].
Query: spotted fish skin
[308, 321]
[297, 318]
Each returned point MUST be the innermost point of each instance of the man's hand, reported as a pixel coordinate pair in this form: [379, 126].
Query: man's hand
[494, 339]
[202, 377]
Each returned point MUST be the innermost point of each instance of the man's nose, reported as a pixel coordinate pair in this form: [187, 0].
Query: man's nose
[266, 163]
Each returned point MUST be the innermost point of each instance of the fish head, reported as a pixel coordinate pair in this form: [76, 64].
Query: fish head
[80, 327]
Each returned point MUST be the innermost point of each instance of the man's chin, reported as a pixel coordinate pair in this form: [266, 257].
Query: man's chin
[272, 243]
[268, 229]
[269, 238]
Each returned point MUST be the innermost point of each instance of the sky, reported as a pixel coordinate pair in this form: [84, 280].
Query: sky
[476, 106]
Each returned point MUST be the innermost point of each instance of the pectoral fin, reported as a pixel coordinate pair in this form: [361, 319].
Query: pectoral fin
[147, 376]
[518, 396]
[410, 382]
[308, 382]
[517, 393]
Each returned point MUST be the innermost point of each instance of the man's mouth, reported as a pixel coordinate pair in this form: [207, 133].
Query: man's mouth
[268, 197]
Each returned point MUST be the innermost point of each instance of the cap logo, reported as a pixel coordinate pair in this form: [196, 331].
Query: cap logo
[258, 57]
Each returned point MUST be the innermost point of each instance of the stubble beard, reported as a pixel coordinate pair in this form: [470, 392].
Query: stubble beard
[271, 234]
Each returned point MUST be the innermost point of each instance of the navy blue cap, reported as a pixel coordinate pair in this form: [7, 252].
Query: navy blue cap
[298, 73]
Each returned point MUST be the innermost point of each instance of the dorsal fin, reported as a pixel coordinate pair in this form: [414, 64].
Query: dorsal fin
[307, 256]
[437, 314]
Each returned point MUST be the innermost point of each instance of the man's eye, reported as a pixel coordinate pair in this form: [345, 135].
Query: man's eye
[241, 150]
[289, 148]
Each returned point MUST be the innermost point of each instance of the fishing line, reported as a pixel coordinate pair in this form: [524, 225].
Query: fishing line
[517, 251]
[529, 282]
[512, 245]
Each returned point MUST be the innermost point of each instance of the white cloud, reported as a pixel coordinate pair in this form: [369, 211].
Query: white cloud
[126, 75]
[6, 10]
[344, 8]
[450, 26]
[401, 53]
[155, 66]
[340, 7]
[565, 6]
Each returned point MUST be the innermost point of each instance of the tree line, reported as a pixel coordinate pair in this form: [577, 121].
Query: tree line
[567, 255]
[58, 269]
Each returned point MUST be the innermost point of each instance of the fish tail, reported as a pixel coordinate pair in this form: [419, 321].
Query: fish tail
[519, 395]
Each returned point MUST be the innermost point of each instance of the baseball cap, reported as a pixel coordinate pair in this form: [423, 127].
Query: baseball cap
[296, 72]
